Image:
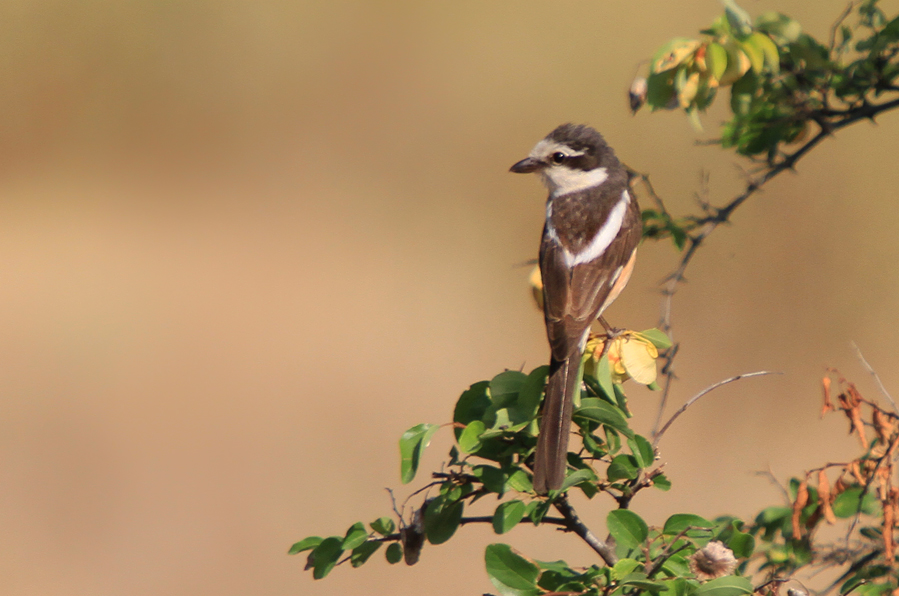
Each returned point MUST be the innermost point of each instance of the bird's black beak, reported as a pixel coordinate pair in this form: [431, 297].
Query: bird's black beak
[526, 166]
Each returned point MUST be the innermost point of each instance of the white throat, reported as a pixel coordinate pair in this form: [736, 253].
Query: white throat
[562, 180]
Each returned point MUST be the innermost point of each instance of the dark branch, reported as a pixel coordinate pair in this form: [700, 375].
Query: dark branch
[574, 524]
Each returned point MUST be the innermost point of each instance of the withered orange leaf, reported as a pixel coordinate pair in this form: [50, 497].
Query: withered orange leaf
[800, 502]
[856, 472]
[855, 416]
[889, 519]
[828, 405]
[825, 498]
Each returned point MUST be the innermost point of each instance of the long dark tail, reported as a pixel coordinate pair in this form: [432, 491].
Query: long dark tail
[551, 459]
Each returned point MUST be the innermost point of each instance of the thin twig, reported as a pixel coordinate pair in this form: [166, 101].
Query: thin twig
[836, 25]
[769, 474]
[874, 374]
[696, 397]
[788, 162]
[575, 524]
[668, 372]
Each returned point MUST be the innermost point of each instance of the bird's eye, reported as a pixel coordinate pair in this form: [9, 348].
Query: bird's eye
[558, 157]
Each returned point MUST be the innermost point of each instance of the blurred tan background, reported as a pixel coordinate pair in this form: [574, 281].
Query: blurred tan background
[244, 245]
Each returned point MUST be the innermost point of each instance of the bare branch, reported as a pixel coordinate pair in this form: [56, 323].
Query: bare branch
[769, 474]
[696, 397]
[575, 524]
[874, 374]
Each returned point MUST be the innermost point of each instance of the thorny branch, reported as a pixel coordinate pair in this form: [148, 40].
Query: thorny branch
[829, 121]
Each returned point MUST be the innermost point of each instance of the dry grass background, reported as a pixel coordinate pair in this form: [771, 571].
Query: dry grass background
[244, 245]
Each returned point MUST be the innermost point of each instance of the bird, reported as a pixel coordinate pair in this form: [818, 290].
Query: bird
[587, 253]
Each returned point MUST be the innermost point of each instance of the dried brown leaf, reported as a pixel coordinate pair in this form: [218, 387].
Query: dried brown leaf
[840, 485]
[882, 425]
[825, 498]
[889, 519]
[828, 404]
[800, 502]
[856, 472]
[855, 416]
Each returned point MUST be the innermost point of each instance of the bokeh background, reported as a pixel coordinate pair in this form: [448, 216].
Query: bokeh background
[244, 245]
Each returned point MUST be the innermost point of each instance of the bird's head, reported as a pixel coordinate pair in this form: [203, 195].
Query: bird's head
[570, 158]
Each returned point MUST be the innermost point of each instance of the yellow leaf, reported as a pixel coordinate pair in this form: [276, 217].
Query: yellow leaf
[536, 282]
[673, 54]
[639, 359]
[688, 92]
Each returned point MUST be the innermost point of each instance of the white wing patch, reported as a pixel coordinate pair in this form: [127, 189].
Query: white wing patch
[603, 237]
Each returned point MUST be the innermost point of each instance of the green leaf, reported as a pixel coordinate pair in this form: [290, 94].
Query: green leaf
[739, 19]
[470, 439]
[598, 410]
[624, 567]
[642, 450]
[506, 385]
[716, 61]
[355, 536]
[362, 552]
[507, 516]
[848, 503]
[520, 481]
[577, 477]
[612, 440]
[677, 587]
[863, 576]
[383, 526]
[679, 522]
[641, 582]
[472, 404]
[661, 482]
[442, 519]
[604, 377]
[412, 445]
[628, 529]
[394, 553]
[325, 556]
[623, 467]
[742, 544]
[660, 90]
[532, 391]
[305, 544]
[537, 510]
[755, 54]
[782, 28]
[510, 573]
[493, 478]
[769, 50]
[676, 566]
[730, 585]
[657, 338]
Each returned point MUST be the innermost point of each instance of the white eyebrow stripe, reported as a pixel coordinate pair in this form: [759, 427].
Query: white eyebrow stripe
[547, 147]
[603, 238]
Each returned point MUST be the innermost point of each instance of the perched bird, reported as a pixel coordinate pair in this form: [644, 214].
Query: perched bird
[590, 238]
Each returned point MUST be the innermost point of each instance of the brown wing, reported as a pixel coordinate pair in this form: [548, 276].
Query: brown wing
[574, 296]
